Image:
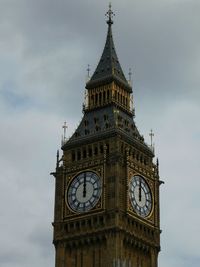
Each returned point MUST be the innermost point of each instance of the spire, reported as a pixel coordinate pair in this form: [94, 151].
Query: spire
[108, 68]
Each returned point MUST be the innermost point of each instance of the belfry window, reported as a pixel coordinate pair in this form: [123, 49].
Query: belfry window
[104, 96]
[115, 95]
[108, 95]
[100, 98]
[96, 99]
[92, 100]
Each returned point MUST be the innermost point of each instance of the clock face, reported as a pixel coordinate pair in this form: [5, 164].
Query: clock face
[140, 196]
[84, 191]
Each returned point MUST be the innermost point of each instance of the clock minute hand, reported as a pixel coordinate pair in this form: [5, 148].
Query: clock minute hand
[84, 185]
[140, 191]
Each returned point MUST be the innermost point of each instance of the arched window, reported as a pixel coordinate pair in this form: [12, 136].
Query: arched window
[96, 99]
[92, 100]
[104, 96]
[115, 96]
[108, 95]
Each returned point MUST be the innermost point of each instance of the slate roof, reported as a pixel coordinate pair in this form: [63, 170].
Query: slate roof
[98, 124]
[108, 68]
[101, 120]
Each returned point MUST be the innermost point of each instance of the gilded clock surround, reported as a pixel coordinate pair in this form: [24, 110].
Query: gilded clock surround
[108, 143]
[84, 192]
[150, 185]
[68, 212]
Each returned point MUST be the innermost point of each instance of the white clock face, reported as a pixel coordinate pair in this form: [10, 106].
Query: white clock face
[84, 191]
[140, 196]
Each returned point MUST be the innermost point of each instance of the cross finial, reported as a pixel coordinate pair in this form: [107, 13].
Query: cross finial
[88, 71]
[64, 130]
[151, 134]
[110, 15]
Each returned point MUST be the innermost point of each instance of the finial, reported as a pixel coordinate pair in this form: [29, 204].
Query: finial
[64, 132]
[129, 75]
[157, 166]
[151, 134]
[57, 162]
[88, 71]
[131, 105]
[110, 15]
[85, 104]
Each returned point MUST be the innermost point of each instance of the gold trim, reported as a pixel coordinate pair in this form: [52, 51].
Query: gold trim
[67, 188]
[150, 185]
[77, 216]
[141, 219]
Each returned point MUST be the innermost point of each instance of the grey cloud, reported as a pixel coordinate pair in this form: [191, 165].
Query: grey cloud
[41, 238]
[16, 259]
[161, 39]
[44, 51]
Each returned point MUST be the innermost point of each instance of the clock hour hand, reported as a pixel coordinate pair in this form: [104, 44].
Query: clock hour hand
[84, 185]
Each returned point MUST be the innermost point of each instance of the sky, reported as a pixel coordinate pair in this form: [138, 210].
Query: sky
[45, 47]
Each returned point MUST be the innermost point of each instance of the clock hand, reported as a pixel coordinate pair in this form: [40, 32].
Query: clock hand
[84, 185]
[140, 190]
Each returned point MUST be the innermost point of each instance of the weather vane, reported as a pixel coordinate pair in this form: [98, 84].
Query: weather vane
[110, 15]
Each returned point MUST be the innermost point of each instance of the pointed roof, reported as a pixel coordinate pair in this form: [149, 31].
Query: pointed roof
[93, 126]
[109, 68]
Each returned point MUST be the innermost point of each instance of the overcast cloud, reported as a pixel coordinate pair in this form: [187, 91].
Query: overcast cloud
[45, 46]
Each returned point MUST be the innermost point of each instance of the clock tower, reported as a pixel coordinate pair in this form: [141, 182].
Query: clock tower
[106, 210]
